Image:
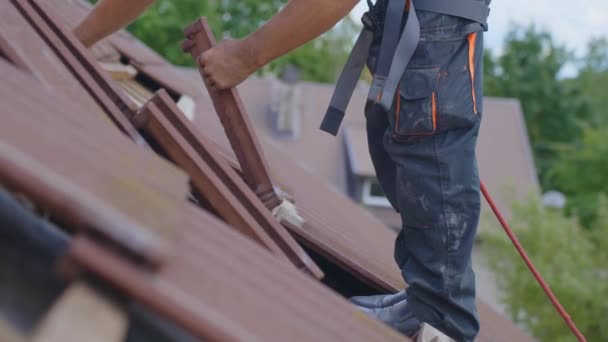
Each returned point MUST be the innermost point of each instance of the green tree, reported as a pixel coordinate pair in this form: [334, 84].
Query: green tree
[581, 172]
[568, 125]
[596, 59]
[322, 59]
[573, 261]
[162, 25]
[580, 167]
[529, 69]
[593, 80]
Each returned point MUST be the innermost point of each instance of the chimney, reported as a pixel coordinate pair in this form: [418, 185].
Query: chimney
[290, 74]
[285, 103]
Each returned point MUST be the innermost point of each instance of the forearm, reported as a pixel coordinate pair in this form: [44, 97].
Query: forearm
[298, 23]
[107, 17]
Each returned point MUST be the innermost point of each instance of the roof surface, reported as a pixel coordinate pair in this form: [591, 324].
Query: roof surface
[242, 282]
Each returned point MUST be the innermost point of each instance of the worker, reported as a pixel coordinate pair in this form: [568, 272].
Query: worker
[423, 117]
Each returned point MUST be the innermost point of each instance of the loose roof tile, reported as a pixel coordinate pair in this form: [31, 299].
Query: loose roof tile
[214, 167]
[236, 122]
[208, 187]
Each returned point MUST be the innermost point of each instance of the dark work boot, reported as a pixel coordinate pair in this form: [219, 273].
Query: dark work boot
[378, 301]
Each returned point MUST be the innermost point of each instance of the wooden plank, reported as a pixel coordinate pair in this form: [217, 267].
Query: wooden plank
[203, 179]
[235, 120]
[232, 185]
[81, 314]
[83, 66]
[119, 71]
[136, 92]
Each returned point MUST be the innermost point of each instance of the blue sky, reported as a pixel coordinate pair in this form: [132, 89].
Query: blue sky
[572, 22]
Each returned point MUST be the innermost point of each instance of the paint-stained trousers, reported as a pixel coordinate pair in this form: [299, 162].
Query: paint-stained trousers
[423, 151]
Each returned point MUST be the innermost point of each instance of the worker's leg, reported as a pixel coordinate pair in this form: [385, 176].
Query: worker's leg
[437, 189]
[431, 138]
[424, 155]
[438, 193]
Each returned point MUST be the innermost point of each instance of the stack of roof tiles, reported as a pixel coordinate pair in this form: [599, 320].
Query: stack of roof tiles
[124, 220]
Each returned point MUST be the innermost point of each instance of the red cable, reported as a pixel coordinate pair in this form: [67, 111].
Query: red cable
[530, 265]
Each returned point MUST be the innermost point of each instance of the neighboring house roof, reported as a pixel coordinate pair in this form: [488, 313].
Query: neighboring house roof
[504, 154]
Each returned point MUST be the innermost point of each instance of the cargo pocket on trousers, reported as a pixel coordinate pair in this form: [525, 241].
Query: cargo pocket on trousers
[415, 109]
[459, 91]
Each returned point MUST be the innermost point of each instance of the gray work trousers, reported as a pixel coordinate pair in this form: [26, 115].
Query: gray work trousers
[423, 151]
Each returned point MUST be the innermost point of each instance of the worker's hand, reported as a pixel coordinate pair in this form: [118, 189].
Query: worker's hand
[227, 64]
